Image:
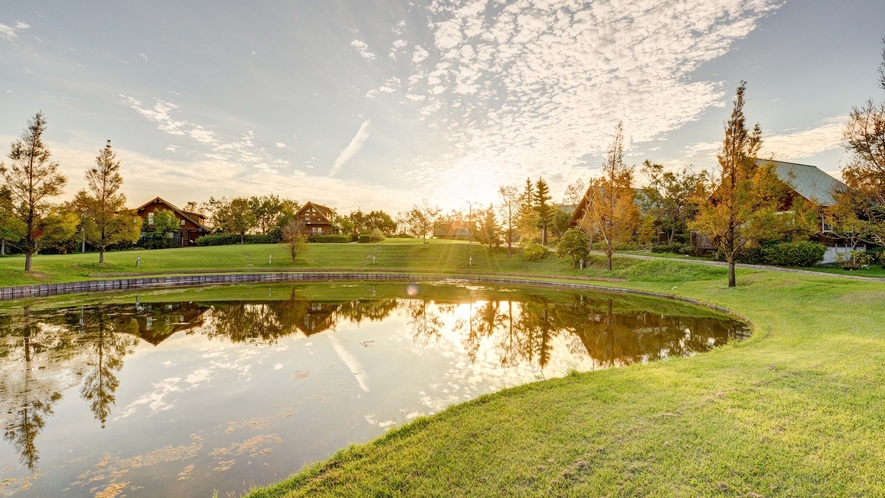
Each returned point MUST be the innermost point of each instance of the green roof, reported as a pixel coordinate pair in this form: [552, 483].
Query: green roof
[808, 181]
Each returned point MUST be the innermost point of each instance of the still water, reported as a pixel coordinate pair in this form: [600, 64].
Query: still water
[181, 393]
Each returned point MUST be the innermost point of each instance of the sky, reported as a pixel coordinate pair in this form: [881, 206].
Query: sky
[379, 104]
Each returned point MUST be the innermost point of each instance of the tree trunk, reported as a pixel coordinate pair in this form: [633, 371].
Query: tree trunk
[242, 238]
[544, 235]
[101, 256]
[3, 247]
[731, 279]
[28, 261]
[609, 254]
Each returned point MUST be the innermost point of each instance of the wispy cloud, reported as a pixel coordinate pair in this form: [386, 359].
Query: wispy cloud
[11, 32]
[352, 148]
[363, 49]
[806, 143]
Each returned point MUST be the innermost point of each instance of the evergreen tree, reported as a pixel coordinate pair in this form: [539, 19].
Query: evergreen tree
[543, 207]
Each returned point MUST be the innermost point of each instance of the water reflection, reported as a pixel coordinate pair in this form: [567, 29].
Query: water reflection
[44, 353]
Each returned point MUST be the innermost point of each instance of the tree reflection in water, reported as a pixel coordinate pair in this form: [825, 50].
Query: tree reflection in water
[41, 353]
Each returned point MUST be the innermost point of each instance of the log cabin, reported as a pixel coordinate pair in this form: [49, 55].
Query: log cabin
[191, 225]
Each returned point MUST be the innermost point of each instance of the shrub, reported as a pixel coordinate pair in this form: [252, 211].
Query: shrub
[573, 244]
[329, 239]
[801, 253]
[227, 239]
[673, 248]
[749, 256]
[376, 235]
[363, 238]
[853, 260]
[533, 251]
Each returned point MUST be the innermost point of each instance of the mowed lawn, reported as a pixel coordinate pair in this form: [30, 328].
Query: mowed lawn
[390, 255]
[797, 410]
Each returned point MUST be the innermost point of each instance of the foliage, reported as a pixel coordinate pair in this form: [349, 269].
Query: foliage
[363, 238]
[12, 229]
[329, 239]
[105, 217]
[575, 244]
[741, 208]
[270, 212]
[560, 221]
[853, 260]
[534, 251]
[376, 235]
[59, 227]
[796, 253]
[671, 198]
[293, 236]
[611, 212]
[489, 229]
[508, 211]
[574, 192]
[224, 239]
[421, 220]
[32, 179]
[542, 207]
[158, 231]
[358, 222]
[527, 216]
[673, 248]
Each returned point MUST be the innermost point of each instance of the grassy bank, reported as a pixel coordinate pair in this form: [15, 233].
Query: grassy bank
[390, 255]
[798, 410]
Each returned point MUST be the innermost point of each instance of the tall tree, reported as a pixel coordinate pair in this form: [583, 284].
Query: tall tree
[611, 212]
[543, 208]
[528, 217]
[508, 210]
[267, 210]
[574, 192]
[489, 229]
[864, 174]
[33, 179]
[106, 219]
[744, 197]
[671, 197]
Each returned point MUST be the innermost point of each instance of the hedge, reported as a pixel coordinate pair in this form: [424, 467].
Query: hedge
[329, 239]
[673, 248]
[802, 253]
[363, 238]
[226, 239]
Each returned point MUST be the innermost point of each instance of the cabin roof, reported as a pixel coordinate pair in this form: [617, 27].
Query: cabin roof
[192, 217]
[324, 211]
[808, 181]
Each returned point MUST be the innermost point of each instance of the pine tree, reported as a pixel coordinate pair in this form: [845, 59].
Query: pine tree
[543, 207]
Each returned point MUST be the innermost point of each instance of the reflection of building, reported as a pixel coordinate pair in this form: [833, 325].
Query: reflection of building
[318, 317]
[157, 321]
[192, 225]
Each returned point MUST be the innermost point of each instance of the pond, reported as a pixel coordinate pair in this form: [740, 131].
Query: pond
[184, 392]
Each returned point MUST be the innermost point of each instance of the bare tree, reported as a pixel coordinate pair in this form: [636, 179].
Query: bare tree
[33, 179]
[107, 221]
[508, 210]
[295, 239]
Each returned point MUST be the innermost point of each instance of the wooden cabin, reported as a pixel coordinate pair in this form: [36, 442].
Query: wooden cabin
[316, 219]
[192, 225]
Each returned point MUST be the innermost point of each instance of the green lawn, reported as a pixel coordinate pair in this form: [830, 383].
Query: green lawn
[797, 410]
[390, 255]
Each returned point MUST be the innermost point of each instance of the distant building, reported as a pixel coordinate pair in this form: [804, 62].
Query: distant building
[316, 219]
[192, 225]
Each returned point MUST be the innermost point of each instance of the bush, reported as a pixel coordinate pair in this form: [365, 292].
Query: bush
[376, 235]
[329, 239]
[853, 260]
[363, 238]
[401, 236]
[532, 252]
[227, 239]
[802, 253]
[673, 248]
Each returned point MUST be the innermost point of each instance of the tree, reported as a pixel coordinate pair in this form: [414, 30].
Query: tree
[421, 219]
[32, 179]
[575, 244]
[295, 239]
[611, 211]
[744, 198]
[574, 192]
[671, 197]
[11, 228]
[543, 207]
[379, 220]
[528, 218]
[106, 219]
[559, 222]
[508, 211]
[161, 226]
[266, 211]
[234, 216]
[59, 227]
[864, 174]
[489, 229]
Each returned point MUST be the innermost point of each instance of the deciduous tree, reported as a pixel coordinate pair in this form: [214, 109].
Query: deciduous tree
[611, 212]
[741, 206]
[33, 179]
[574, 244]
[421, 219]
[11, 228]
[295, 239]
[106, 219]
[508, 210]
[489, 229]
[671, 198]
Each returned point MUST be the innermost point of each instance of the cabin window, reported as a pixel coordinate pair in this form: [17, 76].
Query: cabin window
[182, 222]
[150, 218]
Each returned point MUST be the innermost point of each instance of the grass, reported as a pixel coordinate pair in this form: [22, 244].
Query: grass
[390, 255]
[796, 410]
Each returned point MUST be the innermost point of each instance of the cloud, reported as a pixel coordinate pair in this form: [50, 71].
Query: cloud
[363, 49]
[11, 32]
[542, 84]
[280, 145]
[396, 47]
[143, 57]
[352, 148]
[807, 143]
[399, 27]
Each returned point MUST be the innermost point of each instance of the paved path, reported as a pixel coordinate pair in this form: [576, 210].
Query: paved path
[739, 265]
